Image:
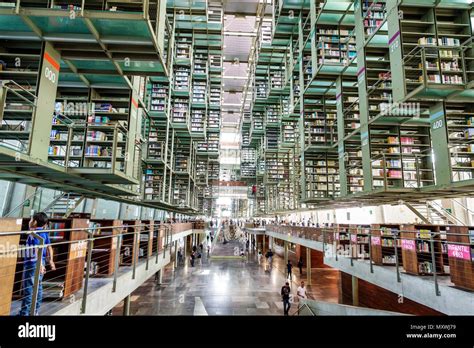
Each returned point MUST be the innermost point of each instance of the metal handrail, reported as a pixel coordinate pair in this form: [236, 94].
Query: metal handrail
[300, 308]
[445, 211]
[6, 82]
[33, 194]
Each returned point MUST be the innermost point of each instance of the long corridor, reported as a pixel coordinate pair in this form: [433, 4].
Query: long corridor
[226, 287]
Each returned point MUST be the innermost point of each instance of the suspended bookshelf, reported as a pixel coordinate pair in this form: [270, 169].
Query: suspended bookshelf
[374, 14]
[335, 44]
[266, 32]
[158, 101]
[460, 126]
[321, 176]
[272, 115]
[289, 131]
[182, 80]
[200, 62]
[401, 157]
[181, 191]
[248, 162]
[183, 49]
[213, 120]
[276, 79]
[257, 122]
[180, 111]
[215, 94]
[246, 137]
[21, 66]
[379, 80]
[271, 138]
[215, 62]
[199, 93]
[90, 130]
[181, 160]
[213, 142]
[154, 183]
[201, 170]
[261, 88]
[198, 122]
[213, 170]
[320, 122]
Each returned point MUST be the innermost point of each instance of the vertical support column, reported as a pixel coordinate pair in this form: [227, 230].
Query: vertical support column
[47, 87]
[263, 243]
[3, 98]
[308, 266]
[286, 251]
[185, 248]
[132, 129]
[314, 43]
[176, 253]
[355, 291]
[126, 305]
[396, 51]
[363, 101]
[160, 25]
[340, 137]
[159, 276]
[440, 146]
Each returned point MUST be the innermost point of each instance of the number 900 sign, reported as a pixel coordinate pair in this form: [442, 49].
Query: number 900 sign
[50, 75]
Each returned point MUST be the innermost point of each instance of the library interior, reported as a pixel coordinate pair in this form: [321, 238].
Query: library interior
[237, 157]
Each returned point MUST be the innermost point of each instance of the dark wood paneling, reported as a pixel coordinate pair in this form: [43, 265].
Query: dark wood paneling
[76, 257]
[8, 261]
[462, 271]
[375, 297]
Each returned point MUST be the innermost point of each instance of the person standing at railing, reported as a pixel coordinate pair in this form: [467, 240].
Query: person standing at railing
[38, 222]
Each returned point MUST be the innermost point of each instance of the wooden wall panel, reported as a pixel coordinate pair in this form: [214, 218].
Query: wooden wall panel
[373, 296]
[8, 262]
[76, 257]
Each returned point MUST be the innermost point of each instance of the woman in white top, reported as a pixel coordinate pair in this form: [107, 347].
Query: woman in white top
[301, 291]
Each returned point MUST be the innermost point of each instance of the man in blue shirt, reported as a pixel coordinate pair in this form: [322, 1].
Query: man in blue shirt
[38, 222]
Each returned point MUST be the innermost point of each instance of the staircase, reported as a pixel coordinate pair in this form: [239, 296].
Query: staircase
[63, 204]
[431, 212]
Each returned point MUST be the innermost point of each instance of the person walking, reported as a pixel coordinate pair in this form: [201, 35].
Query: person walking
[259, 256]
[201, 247]
[300, 265]
[180, 257]
[270, 258]
[199, 256]
[38, 223]
[285, 296]
[301, 291]
[192, 257]
[208, 250]
[289, 266]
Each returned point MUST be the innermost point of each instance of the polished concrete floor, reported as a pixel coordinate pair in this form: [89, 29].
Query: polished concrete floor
[226, 287]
